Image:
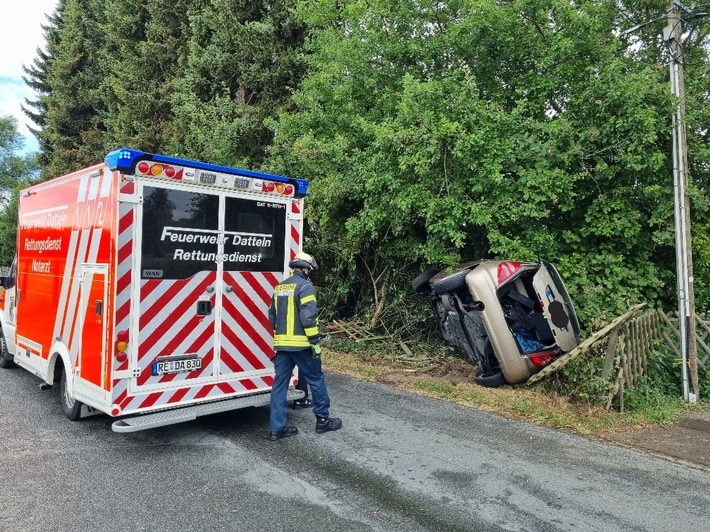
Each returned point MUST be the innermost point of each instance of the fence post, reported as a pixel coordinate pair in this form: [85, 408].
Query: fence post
[610, 354]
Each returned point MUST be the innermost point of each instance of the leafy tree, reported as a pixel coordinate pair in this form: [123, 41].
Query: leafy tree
[8, 229]
[440, 132]
[432, 132]
[16, 170]
[697, 104]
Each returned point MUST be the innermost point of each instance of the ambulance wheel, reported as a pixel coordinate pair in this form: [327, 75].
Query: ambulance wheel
[5, 357]
[70, 407]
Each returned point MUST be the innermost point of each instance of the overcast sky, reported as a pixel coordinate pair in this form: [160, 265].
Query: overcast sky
[20, 35]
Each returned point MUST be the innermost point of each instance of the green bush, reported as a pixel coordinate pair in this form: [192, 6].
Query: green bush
[580, 379]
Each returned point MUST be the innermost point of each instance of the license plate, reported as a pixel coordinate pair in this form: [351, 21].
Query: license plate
[164, 367]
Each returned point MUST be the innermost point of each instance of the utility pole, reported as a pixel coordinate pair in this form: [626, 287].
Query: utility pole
[684, 254]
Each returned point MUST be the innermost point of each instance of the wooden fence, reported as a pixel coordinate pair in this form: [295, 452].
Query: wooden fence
[629, 340]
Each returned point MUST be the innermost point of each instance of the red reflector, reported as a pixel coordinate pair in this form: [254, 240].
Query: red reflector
[143, 167]
[121, 345]
[170, 171]
[506, 270]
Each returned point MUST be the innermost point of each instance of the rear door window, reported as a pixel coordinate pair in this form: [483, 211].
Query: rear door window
[180, 233]
[254, 235]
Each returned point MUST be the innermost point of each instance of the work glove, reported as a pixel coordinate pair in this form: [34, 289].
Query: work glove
[316, 350]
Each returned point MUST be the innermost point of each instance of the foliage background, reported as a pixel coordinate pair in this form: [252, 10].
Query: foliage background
[431, 132]
[15, 171]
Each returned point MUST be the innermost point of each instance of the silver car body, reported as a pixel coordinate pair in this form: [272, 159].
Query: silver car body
[550, 297]
[519, 310]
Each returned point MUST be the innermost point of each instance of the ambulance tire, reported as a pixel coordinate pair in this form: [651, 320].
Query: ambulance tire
[70, 406]
[5, 357]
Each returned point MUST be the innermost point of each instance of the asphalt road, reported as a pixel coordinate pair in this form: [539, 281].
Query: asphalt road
[400, 463]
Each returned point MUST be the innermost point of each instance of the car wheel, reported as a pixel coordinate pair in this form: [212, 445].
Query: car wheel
[70, 407]
[450, 283]
[5, 357]
[421, 283]
[489, 381]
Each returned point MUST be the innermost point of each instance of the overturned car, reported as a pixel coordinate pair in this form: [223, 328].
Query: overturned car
[510, 319]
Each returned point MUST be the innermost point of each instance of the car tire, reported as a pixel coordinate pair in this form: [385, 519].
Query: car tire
[71, 408]
[489, 381]
[450, 283]
[421, 283]
[6, 361]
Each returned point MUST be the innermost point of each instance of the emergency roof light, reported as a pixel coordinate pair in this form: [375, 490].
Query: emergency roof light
[126, 160]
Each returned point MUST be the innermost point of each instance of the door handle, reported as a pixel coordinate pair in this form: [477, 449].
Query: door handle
[204, 308]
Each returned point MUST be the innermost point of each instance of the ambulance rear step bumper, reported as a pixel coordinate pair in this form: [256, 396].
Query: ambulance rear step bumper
[190, 413]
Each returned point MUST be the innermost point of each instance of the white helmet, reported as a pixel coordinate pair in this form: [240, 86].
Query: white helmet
[303, 260]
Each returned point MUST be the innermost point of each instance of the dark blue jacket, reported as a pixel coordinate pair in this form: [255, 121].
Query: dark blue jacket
[293, 313]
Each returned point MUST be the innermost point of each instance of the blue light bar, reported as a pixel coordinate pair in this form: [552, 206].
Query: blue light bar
[126, 159]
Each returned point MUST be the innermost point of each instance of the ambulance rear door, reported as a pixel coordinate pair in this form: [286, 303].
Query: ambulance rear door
[208, 261]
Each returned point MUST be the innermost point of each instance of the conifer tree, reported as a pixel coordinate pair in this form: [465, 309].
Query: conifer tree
[36, 77]
[244, 61]
[144, 52]
[72, 128]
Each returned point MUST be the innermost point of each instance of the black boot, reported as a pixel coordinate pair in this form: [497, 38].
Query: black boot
[325, 424]
[285, 433]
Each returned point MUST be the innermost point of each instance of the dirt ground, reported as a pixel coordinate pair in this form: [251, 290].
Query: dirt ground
[687, 440]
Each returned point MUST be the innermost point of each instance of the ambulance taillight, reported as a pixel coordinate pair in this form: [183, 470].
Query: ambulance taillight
[156, 169]
[121, 346]
[279, 188]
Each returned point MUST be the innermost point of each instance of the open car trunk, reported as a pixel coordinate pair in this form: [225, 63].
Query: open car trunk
[539, 311]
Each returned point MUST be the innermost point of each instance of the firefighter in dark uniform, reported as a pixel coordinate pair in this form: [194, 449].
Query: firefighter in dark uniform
[293, 316]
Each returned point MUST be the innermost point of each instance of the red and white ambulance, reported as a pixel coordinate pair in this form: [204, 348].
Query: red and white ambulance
[141, 286]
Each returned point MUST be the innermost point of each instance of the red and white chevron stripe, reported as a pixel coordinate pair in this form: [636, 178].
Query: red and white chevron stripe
[235, 351]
